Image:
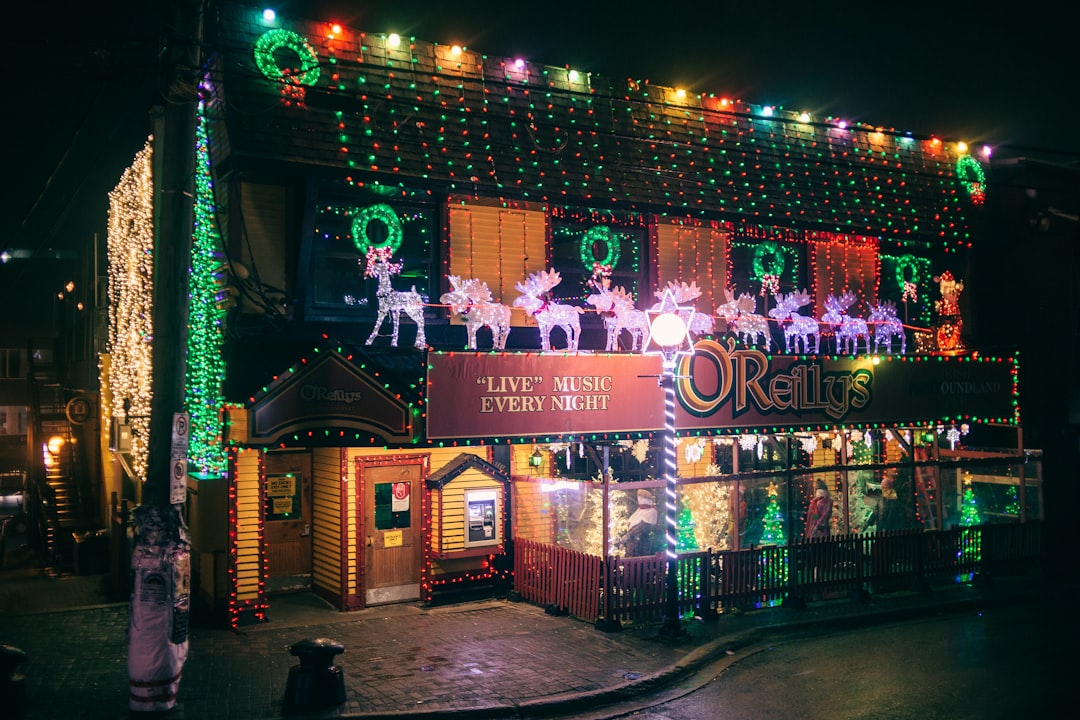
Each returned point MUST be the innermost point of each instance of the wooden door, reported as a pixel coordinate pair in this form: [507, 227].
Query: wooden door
[392, 530]
[288, 520]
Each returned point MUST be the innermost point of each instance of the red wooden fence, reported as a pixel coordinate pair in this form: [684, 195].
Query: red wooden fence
[713, 582]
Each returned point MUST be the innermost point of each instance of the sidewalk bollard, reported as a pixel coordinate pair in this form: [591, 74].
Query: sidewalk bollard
[316, 681]
[12, 684]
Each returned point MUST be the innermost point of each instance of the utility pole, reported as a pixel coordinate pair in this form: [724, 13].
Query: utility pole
[161, 556]
[175, 135]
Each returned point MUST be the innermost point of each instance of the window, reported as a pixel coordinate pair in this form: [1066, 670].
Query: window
[345, 227]
[498, 244]
[392, 510]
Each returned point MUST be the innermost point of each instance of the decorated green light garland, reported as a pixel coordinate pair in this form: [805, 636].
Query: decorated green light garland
[599, 234]
[271, 41]
[971, 176]
[734, 190]
[776, 261]
[205, 364]
[383, 213]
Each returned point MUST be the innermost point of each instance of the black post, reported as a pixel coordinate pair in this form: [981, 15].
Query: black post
[172, 251]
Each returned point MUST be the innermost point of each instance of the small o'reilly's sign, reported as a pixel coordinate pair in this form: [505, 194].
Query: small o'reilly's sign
[330, 393]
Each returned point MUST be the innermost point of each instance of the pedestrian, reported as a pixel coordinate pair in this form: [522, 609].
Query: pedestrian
[819, 513]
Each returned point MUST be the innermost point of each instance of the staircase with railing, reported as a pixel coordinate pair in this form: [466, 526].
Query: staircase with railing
[59, 501]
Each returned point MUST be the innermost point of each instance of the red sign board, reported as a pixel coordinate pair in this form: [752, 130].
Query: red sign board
[533, 394]
[719, 387]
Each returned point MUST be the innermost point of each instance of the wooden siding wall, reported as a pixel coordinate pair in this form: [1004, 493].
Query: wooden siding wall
[326, 517]
[489, 241]
[688, 253]
[247, 547]
[448, 522]
[532, 514]
[838, 267]
[698, 468]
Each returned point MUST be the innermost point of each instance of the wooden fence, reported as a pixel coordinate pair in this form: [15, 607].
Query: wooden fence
[634, 589]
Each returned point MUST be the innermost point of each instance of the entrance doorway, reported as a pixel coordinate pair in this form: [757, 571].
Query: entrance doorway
[391, 513]
[288, 521]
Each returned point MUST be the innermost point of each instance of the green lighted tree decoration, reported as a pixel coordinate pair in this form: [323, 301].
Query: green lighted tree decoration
[205, 366]
[773, 521]
[970, 536]
[685, 537]
[969, 508]
[774, 567]
[1012, 505]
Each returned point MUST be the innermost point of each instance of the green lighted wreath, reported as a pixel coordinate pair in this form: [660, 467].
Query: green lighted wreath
[272, 41]
[903, 264]
[599, 234]
[377, 213]
[776, 260]
[972, 177]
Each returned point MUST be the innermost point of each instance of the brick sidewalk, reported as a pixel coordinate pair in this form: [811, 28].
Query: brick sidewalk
[484, 659]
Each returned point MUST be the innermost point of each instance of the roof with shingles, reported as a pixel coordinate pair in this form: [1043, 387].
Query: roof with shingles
[470, 123]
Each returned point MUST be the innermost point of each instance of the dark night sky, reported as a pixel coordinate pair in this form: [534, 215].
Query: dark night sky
[81, 78]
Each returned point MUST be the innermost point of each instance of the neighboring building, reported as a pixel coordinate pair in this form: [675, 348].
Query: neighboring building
[326, 455]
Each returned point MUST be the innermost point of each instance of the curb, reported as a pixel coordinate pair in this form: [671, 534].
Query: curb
[711, 651]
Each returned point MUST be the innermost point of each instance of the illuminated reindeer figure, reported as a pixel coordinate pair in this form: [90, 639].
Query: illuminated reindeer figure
[886, 326]
[616, 307]
[700, 323]
[796, 326]
[742, 319]
[391, 301]
[471, 299]
[535, 298]
[847, 329]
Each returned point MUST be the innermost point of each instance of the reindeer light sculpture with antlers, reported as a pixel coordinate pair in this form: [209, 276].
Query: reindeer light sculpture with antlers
[886, 326]
[471, 299]
[700, 323]
[796, 327]
[535, 299]
[742, 319]
[616, 307]
[393, 302]
[847, 329]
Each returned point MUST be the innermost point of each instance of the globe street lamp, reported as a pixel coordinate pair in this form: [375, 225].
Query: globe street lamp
[669, 337]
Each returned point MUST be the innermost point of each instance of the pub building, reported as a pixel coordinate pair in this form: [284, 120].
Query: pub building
[423, 289]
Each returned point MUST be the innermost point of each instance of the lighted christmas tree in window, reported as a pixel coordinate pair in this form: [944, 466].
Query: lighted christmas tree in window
[1012, 505]
[773, 521]
[774, 565]
[685, 539]
[970, 536]
[969, 508]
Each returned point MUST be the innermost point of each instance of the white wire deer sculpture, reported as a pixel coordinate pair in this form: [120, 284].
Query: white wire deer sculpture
[535, 299]
[743, 320]
[846, 329]
[700, 323]
[796, 327]
[616, 307]
[393, 302]
[883, 317]
[471, 299]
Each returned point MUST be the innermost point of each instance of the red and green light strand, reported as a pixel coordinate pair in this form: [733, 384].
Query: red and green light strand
[205, 364]
[468, 122]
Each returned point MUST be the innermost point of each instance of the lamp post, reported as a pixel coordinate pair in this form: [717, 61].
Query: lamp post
[669, 337]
